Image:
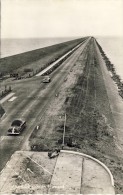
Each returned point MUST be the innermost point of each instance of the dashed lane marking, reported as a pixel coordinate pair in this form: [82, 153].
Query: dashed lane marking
[6, 98]
[12, 99]
[2, 138]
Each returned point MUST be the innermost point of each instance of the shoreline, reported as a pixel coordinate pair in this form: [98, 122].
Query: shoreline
[112, 69]
[113, 47]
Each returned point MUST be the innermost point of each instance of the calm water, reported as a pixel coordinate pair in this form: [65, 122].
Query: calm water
[113, 47]
[14, 46]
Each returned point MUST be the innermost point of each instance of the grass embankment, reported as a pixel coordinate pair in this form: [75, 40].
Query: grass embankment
[89, 124]
[94, 128]
[36, 60]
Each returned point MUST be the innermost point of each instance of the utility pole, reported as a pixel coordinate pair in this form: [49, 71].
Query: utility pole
[64, 131]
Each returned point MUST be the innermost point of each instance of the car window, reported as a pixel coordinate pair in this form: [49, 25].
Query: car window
[16, 123]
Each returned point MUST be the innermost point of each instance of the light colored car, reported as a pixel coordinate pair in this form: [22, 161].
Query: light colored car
[16, 127]
[46, 79]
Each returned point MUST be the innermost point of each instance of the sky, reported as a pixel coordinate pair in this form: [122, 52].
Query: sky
[61, 18]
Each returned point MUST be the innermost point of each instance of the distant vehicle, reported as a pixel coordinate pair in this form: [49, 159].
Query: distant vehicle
[16, 127]
[14, 74]
[46, 79]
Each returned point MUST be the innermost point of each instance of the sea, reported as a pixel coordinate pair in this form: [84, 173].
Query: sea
[112, 46]
[14, 46]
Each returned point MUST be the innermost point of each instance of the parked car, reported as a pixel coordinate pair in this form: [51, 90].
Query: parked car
[17, 127]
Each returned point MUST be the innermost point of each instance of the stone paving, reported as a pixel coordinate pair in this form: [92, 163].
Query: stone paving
[68, 173]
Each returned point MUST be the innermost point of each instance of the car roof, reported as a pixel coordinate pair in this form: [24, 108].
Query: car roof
[17, 122]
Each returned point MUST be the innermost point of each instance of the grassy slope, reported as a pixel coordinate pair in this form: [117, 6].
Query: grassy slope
[94, 129]
[47, 54]
[95, 126]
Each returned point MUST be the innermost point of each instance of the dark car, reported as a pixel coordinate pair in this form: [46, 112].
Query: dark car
[16, 127]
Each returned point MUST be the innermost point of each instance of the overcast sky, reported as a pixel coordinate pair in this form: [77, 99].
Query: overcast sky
[61, 18]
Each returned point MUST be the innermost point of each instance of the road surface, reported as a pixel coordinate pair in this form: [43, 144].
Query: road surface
[32, 99]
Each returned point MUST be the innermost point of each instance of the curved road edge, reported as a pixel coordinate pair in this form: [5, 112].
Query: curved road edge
[96, 160]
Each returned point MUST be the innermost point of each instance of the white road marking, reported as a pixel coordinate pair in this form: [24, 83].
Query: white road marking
[6, 98]
[12, 99]
[3, 116]
[2, 138]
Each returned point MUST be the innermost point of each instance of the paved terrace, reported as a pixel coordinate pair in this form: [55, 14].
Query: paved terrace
[69, 173]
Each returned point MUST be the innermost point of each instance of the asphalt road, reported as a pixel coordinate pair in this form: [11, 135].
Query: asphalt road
[32, 100]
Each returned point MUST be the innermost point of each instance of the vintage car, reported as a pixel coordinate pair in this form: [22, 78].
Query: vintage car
[17, 127]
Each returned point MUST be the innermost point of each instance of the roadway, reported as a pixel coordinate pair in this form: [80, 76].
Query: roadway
[30, 104]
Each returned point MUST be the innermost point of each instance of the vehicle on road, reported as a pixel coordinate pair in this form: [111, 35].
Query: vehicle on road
[17, 127]
[46, 79]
